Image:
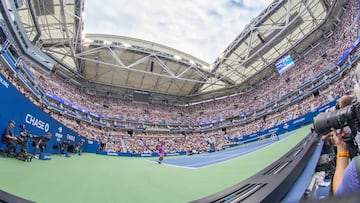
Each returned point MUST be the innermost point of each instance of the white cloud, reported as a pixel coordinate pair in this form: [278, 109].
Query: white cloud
[198, 27]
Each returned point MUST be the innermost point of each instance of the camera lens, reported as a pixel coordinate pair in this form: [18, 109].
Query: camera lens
[335, 119]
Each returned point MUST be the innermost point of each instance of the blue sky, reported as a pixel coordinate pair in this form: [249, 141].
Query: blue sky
[202, 28]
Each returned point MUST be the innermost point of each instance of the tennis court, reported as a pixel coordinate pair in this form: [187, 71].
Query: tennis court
[98, 178]
[208, 159]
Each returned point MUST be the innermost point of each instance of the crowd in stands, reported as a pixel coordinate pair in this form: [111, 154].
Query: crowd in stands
[323, 56]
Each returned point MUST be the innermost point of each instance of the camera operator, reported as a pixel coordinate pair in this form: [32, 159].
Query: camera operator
[344, 101]
[346, 180]
[64, 147]
[41, 143]
[9, 139]
[343, 182]
[79, 148]
[335, 141]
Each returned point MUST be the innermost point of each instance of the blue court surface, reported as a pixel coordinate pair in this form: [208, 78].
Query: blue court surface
[204, 160]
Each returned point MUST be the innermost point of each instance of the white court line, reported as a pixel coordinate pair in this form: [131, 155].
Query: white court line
[229, 157]
[226, 158]
[250, 149]
[173, 165]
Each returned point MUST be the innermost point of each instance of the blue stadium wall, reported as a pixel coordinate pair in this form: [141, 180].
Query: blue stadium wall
[15, 106]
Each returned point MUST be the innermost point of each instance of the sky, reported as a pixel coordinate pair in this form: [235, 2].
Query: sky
[201, 28]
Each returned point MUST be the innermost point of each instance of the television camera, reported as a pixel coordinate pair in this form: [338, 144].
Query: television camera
[23, 140]
[340, 118]
[24, 134]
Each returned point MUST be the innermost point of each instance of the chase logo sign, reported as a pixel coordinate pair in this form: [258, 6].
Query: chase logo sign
[30, 119]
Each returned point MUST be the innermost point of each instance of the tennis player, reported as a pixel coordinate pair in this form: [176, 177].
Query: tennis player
[161, 152]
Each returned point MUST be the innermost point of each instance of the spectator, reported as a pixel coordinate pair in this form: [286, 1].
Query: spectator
[9, 139]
